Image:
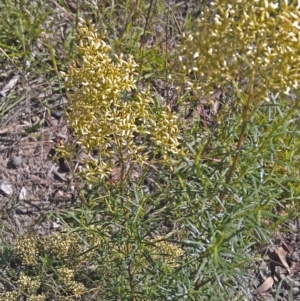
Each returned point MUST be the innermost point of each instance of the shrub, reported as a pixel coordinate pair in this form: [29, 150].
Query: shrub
[191, 232]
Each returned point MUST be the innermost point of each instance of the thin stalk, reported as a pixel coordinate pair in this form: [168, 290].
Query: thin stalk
[143, 37]
[167, 53]
[245, 115]
[131, 279]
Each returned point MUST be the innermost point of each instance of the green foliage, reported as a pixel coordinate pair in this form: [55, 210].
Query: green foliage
[264, 182]
[20, 27]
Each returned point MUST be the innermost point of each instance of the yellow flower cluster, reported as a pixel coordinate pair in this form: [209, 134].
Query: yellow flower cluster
[62, 246]
[160, 250]
[108, 115]
[166, 130]
[241, 42]
[168, 252]
[10, 296]
[66, 277]
[27, 250]
[66, 248]
[26, 285]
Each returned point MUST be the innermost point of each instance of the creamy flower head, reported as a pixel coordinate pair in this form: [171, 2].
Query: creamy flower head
[255, 39]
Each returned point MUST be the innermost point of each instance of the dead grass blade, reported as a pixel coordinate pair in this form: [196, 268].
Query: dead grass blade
[282, 256]
[264, 286]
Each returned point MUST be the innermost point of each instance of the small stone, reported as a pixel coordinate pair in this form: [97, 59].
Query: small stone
[23, 194]
[54, 121]
[35, 119]
[16, 161]
[7, 188]
[19, 211]
[56, 113]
